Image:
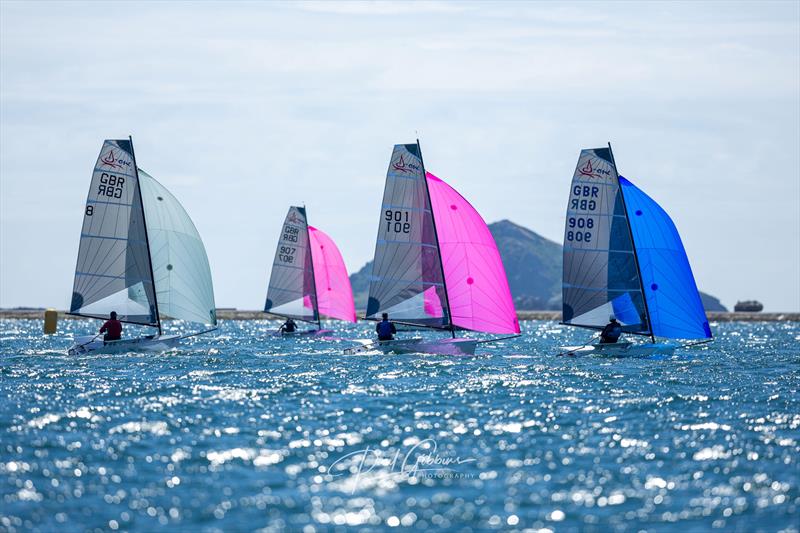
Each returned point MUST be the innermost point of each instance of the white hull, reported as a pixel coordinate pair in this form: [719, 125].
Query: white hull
[306, 333]
[621, 349]
[154, 343]
[419, 345]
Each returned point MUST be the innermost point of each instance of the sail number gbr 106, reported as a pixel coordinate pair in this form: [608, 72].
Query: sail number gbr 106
[397, 221]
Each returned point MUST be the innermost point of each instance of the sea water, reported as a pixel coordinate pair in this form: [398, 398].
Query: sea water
[238, 431]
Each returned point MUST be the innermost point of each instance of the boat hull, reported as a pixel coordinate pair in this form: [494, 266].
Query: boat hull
[306, 333]
[153, 343]
[621, 349]
[419, 345]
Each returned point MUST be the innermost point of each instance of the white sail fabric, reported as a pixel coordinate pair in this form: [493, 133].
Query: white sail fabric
[292, 292]
[600, 273]
[407, 271]
[180, 265]
[113, 269]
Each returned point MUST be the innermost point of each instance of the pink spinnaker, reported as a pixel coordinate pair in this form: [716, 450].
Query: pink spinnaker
[477, 286]
[334, 294]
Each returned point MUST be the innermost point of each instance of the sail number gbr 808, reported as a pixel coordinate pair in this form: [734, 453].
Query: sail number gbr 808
[584, 198]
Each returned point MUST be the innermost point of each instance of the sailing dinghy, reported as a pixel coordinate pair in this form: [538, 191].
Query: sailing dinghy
[309, 278]
[623, 256]
[436, 264]
[140, 255]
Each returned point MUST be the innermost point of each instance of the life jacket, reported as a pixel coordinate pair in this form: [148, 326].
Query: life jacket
[385, 330]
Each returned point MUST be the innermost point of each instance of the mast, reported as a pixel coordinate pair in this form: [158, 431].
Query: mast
[313, 276]
[146, 238]
[438, 248]
[633, 245]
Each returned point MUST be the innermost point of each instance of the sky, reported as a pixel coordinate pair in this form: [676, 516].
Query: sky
[242, 109]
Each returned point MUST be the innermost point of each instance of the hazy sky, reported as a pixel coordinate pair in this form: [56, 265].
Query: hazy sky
[243, 109]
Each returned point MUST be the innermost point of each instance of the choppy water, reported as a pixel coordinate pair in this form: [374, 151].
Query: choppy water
[240, 431]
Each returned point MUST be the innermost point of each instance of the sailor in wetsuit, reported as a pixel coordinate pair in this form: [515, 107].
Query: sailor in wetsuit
[289, 326]
[385, 329]
[112, 328]
[611, 332]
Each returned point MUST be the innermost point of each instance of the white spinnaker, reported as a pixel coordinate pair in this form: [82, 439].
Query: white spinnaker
[180, 265]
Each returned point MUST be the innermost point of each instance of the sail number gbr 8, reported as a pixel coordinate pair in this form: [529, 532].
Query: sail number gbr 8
[579, 229]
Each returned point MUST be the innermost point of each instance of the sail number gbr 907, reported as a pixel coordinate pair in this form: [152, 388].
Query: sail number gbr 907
[584, 198]
[397, 221]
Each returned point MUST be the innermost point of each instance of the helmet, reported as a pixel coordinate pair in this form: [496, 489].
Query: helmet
[612, 317]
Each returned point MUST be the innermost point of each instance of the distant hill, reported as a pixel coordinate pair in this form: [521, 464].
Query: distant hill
[533, 267]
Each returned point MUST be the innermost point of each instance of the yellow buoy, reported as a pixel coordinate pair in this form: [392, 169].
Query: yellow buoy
[50, 321]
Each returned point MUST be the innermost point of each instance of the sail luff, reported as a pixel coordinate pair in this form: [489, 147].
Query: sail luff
[113, 269]
[314, 291]
[447, 310]
[146, 238]
[291, 291]
[406, 280]
[600, 276]
[633, 241]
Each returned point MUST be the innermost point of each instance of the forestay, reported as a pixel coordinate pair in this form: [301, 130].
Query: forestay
[673, 300]
[334, 293]
[600, 274]
[291, 291]
[477, 286]
[113, 270]
[407, 278]
[180, 265]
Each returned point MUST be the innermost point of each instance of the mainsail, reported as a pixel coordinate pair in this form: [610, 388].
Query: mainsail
[436, 263]
[334, 293]
[292, 291]
[477, 286]
[673, 300]
[114, 272]
[624, 256]
[407, 279]
[180, 265]
[600, 273]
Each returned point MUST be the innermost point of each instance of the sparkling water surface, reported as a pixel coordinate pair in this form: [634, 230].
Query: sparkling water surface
[240, 431]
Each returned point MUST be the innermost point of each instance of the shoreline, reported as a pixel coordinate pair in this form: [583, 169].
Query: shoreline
[236, 314]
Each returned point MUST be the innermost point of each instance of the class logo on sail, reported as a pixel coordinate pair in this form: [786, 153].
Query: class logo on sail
[591, 172]
[110, 161]
[406, 168]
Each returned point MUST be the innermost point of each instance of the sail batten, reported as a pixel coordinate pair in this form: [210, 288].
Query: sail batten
[599, 259]
[291, 291]
[436, 263]
[407, 267]
[113, 268]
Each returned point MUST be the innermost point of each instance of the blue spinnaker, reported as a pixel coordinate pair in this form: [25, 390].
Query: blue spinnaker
[673, 300]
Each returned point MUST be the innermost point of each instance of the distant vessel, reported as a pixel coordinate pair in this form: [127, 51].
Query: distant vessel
[748, 306]
[623, 256]
[308, 278]
[140, 255]
[436, 264]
